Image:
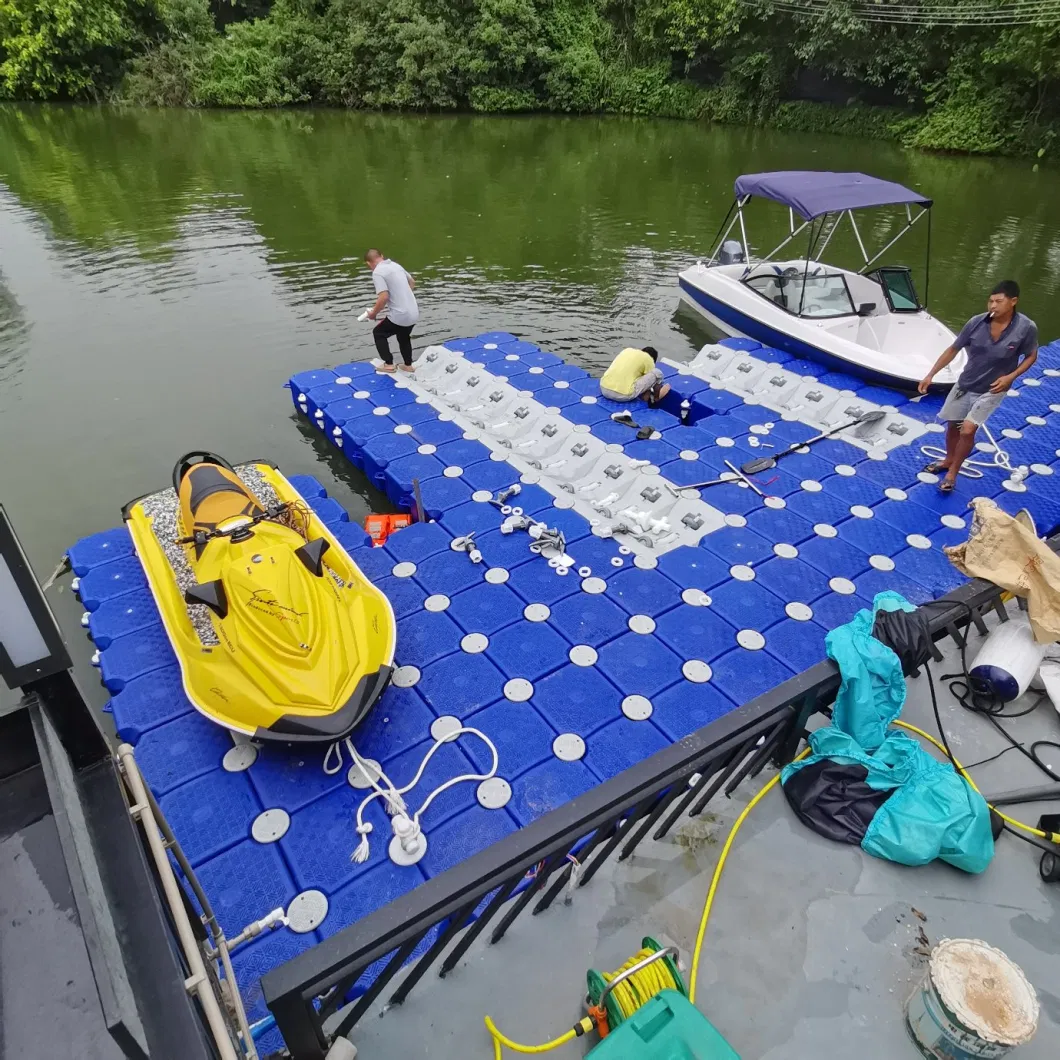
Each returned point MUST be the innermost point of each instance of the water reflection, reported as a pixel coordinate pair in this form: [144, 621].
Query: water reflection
[165, 272]
[14, 335]
[477, 200]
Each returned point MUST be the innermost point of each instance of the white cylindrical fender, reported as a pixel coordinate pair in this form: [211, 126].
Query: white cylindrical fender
[1009, 659]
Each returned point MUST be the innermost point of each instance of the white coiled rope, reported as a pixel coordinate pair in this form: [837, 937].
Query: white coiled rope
[393, 796]
[970, 468]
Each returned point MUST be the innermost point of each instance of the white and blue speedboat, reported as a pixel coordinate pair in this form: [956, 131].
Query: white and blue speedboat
[869, 323]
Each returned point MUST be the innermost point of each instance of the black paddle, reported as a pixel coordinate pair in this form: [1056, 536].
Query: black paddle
[764, 463]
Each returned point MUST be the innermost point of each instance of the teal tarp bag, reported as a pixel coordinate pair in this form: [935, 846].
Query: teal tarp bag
[932, 811]
[873, 690]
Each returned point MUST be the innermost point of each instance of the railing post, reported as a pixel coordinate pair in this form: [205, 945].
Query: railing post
[786, 748]
[296, 1021]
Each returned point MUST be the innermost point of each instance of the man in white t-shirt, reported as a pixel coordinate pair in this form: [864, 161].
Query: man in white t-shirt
[393, 286]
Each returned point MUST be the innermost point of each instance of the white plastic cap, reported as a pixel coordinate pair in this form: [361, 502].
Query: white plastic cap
[342, 1049]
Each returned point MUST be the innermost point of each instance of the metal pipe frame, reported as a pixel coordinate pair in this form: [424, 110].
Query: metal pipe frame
[828, 239]
[743, 230]
[883, 250]
[780, 246]
[723, 233]
[614, 816]
[857, 234]
[869, 261]
[198, 982]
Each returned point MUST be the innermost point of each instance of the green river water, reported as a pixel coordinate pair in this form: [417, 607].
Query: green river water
[163, 273]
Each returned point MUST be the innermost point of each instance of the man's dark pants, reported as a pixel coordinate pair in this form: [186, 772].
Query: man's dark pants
[382, 332]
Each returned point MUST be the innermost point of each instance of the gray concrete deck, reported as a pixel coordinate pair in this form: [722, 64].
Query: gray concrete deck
[812, 948]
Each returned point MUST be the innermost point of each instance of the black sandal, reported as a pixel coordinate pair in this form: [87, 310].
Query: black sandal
[946, 486]
[935, 467]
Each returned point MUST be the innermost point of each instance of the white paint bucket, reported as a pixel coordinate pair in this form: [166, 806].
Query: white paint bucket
[973, 1003]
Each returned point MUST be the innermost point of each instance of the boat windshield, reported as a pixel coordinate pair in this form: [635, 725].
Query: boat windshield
[897, 284]
[825, 294]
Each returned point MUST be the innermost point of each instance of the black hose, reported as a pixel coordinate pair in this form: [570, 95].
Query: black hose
[979, 698]
[913, 638]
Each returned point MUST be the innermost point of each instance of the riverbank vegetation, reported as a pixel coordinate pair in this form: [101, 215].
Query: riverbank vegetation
[979, 89]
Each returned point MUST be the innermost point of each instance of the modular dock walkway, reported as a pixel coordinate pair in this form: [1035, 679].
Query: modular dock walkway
[666, 609]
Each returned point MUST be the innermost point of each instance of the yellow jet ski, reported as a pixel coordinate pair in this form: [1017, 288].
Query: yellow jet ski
[278, 633]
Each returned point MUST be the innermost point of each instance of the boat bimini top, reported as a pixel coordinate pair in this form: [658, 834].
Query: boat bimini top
[870, 321]
[819, 198]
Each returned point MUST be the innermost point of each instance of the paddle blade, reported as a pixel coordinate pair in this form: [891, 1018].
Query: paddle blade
[762, 463]
[871, 417]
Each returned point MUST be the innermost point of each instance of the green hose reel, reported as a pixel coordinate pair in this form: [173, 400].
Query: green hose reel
[665, 1027]
[598, 986]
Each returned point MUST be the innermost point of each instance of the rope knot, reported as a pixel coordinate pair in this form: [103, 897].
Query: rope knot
[360, 855]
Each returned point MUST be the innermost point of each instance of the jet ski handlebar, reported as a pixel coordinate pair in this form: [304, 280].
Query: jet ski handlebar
[200, 537]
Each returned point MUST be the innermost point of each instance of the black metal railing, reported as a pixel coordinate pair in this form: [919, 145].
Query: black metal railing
[443, 918]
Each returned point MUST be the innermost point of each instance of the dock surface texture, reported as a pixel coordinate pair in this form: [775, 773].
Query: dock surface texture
[674, 607]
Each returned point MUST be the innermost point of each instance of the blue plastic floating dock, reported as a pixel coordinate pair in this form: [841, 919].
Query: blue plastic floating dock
[642, 651]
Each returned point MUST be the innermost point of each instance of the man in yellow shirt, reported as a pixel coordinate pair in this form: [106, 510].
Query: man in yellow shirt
[633, 374]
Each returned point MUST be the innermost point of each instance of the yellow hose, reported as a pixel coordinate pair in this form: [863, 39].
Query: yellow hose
[765, 790]
[625, 993]
[719, 868]
[636, 991]
[1053, 836]
[499, 1040]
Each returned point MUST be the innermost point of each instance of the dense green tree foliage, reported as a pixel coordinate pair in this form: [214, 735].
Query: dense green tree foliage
[964, 88]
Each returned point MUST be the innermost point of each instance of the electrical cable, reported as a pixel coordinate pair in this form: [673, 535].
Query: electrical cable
[720, 867]
[907, 633]
[613, 997]
[944, 748]
[1018, 12]
[992, 758]
[980, 699]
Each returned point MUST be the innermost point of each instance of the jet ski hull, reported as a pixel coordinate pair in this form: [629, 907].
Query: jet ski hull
[278, 633]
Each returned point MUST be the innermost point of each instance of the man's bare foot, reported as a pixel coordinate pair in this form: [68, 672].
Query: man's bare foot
[408, 367]
[385, 368]
[657, 393]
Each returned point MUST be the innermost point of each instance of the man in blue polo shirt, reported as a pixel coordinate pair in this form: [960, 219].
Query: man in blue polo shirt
[1002, 344]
